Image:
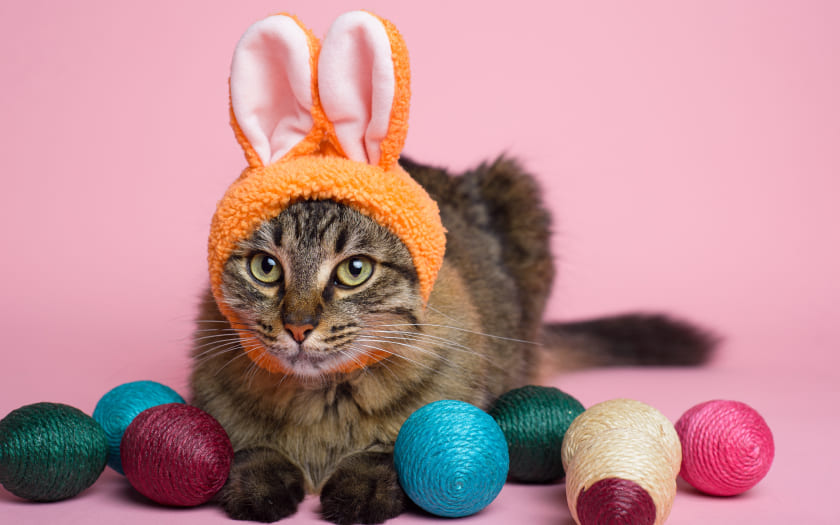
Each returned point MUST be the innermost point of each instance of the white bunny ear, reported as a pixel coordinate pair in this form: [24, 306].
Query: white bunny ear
[271, 86]
[360, 82]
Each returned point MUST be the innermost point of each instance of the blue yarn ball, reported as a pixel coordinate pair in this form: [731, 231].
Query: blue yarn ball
[451, 458]
[118, 408]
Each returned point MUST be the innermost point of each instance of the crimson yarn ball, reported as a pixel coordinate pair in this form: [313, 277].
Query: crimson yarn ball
[727, 447]
[120, 405]
[176, 454]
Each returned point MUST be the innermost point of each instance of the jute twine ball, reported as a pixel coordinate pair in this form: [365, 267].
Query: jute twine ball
[534, 420]
[118, 408]
[176, 454]
[727, 447]
[50, 451]
[621, 458]
[451, 458]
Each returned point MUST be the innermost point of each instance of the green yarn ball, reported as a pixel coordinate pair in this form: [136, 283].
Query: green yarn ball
[534, 420]
[50, 451]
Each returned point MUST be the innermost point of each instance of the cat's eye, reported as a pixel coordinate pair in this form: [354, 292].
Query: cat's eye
[353, 271]
[265, 268]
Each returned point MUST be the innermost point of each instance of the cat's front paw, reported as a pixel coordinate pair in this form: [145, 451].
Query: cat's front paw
[363, 489]
[262, 486]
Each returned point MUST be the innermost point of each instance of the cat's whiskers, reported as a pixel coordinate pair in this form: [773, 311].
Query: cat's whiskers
[229, 326]
[353, 357]
[409, 333]
[403, 341]
[222, 331]
[226, 330]
[224, 340]
[210, 340]
[392, 352]
[440, 342]
[224, 343]
[245, 346]
[420, 336]
[423, 337]
[251, 373]
[257, 370]
[439, 312]
[386, 364]
[465, 330]
[210, 347]
[215, 352]
[200, 345]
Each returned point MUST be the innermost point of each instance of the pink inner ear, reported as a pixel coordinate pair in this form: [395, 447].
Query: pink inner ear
[356, 83]
[271, 86]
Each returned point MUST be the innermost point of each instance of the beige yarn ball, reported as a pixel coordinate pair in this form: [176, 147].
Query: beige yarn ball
[622, 458]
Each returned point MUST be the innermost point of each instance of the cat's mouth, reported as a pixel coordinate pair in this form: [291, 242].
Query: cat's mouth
[303, 361]
[313, 362]
[302, 357]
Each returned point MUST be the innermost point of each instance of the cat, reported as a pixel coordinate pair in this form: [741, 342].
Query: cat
[323, 285]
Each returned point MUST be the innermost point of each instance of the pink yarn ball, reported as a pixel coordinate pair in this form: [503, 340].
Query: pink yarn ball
[176, 454]
[727, 447]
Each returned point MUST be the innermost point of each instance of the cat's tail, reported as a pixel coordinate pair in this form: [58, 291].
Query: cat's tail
[627, 340]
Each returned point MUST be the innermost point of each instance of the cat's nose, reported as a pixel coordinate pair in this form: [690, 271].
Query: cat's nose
[299, 331]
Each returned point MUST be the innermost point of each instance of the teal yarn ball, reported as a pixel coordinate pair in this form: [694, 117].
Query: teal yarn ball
[50, 451]
[118, 408]
[451, 458]
[534, 420]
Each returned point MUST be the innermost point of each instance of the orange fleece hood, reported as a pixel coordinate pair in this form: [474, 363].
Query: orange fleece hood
[322, 121]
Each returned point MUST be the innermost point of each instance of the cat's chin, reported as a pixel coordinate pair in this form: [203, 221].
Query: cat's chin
[306, 364]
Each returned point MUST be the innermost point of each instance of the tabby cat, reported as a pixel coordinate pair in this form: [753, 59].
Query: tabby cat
[322, 285]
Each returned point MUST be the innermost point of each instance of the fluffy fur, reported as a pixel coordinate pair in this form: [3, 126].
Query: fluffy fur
[318, 430]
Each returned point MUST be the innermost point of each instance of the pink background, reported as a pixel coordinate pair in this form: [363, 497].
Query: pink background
[690, 152]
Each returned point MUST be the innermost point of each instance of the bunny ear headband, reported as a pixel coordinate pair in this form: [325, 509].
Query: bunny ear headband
[323, 121]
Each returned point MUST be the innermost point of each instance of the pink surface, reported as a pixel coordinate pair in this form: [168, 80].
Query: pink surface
[689, 151]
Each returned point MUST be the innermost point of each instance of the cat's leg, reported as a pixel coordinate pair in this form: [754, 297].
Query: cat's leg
[363, 489]
[263, 485]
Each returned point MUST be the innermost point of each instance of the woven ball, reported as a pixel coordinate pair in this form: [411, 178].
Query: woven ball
[451, 458]
[621, 458]
[176, 454]
[50, 451]
[534, 420]
[116, 410]
[727, 447]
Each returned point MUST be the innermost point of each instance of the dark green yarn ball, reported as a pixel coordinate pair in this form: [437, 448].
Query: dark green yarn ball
[534, 420]
[50, 451]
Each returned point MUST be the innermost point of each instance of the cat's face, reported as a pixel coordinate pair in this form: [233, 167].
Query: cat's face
[322, 287]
